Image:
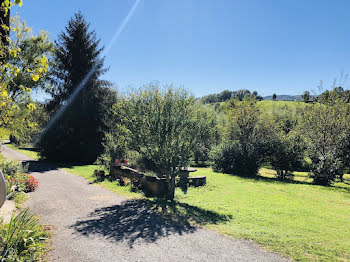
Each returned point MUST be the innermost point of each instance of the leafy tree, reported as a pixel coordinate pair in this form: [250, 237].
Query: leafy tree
[241, 94]
[33, 49]
[306, 96]
[14, 67]
[224, 96]
[325, 129]
[247, 140]
[207, 133]
[274, 97]
[77, 135]
[163, 126]
[287, 154]
[337, 93]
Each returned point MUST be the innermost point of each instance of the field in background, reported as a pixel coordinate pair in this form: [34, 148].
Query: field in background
[270, 107]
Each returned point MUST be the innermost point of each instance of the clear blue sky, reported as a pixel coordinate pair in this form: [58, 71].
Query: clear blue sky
[206, 46]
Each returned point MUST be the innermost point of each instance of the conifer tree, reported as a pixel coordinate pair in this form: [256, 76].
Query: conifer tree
[77, 134]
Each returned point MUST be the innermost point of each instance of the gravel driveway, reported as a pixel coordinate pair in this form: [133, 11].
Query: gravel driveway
[91, 223]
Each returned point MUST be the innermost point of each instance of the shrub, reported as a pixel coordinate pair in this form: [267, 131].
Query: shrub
[287, 154]
[30, 183]
[325, 128]
[233, 159]
[24, 182]
[9, 167]
[247, 138]
[22, 239]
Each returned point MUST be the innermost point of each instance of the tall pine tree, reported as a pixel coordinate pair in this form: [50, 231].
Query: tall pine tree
[76, 136]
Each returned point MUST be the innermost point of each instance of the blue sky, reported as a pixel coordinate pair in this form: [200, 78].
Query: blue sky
[206, 46]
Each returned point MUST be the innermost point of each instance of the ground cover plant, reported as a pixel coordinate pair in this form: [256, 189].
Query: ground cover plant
[23, 239]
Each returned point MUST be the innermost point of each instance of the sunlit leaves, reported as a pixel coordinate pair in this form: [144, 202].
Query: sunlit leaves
[15, 69]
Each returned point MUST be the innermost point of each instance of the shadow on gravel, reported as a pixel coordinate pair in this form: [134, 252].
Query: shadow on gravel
[38, 166]
[144, 220]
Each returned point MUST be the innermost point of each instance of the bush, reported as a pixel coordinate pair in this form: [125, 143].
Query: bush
[232, 159]
[247, 138]
[15, 140]
[287, 154]
[10, 167]
[325, 128]
[22, 239]
[30, 183]
[24, 182]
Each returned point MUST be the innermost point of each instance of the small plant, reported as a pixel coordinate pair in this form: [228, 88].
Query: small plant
[24, 182]
[31, 183]
[11, 168]
[11, 185]
[22, 239]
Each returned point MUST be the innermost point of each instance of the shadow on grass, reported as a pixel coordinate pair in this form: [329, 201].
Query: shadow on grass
[145, 220]
[29, 149]
[292, 181]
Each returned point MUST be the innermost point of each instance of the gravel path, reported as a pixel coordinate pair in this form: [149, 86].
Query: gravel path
[91, 223]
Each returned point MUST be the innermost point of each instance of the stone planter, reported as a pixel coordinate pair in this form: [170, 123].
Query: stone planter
[154, 187]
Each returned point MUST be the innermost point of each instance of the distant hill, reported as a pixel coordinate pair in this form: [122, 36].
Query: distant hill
[285, 98]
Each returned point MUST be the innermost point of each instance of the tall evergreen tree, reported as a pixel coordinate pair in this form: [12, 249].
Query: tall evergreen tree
[77, 134]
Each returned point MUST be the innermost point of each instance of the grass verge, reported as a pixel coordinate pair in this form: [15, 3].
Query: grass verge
[26, 151]
[87, 171]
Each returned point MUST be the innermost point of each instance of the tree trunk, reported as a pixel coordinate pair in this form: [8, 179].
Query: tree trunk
[170, 179]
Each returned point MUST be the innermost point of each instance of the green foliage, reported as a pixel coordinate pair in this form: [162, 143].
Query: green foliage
[77, 135]
[207, 133]
[247, 139]
[23, 239]
[226, 95]
[325, 129]
[163, 126]
[20, 69]
[287, 154]
[11, 167]
[20, 198]
[306, 96]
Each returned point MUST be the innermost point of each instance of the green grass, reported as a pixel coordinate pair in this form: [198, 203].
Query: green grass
[300, 220]
[270, 107]
[87, 172]
[19, 199]
[303, 221]
[26, 151]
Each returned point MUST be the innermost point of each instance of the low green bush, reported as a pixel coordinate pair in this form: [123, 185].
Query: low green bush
[10, 167]
[233, 159]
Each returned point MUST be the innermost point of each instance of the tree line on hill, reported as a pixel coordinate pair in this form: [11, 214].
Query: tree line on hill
[161, 129]
[227, 95]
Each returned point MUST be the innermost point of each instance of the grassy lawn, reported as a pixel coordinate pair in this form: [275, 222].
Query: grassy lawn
[303, 221]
